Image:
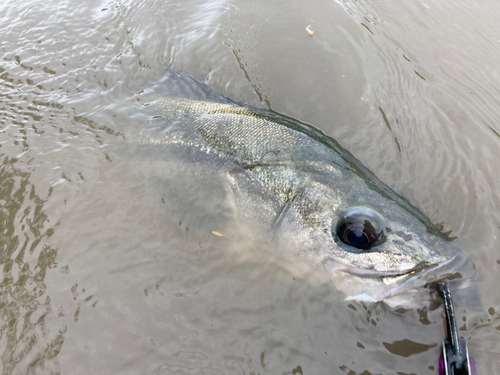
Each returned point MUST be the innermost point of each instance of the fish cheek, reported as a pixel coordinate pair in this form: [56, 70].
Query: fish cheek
[389, 258]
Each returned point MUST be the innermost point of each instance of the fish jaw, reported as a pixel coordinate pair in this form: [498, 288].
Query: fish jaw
[371, 286]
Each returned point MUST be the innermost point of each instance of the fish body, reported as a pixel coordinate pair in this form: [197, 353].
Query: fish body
[228, 160]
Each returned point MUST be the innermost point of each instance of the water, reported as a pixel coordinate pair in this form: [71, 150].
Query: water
[98, 279]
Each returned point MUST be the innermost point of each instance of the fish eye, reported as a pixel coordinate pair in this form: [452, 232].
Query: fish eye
[358, 235]
[360, 228]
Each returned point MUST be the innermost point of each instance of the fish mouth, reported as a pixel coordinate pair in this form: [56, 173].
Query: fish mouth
[387, 284]
[455, 267]
[435, 271]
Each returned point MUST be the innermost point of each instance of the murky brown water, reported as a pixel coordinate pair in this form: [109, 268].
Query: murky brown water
[97, 279]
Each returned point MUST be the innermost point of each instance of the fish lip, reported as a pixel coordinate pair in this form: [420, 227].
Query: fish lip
[420, 271]
[442, 271]
[398, 284]
[367, 273]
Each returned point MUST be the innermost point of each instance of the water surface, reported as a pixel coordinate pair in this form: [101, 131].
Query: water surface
[97, 278]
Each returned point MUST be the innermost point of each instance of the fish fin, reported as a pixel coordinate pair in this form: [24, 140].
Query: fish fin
[279, 216]
[178, 84]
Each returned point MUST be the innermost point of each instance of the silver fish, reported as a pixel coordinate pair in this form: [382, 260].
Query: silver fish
[216, 160]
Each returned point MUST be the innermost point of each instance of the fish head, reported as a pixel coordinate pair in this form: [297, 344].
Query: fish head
[372, 240]
[375, 241]
[389, 246]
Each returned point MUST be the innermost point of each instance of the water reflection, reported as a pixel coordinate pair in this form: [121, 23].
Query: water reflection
[24, 304]
[43, 167]
[136, 293]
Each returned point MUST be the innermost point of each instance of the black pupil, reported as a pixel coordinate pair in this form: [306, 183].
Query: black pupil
[357, 235]
[357, 238]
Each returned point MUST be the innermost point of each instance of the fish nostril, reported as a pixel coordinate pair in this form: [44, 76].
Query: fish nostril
[403, 235]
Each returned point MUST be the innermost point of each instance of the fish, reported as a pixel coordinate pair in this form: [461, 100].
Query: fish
[216, 163]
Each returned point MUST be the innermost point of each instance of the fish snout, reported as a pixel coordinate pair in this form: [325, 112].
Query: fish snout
[442, 259]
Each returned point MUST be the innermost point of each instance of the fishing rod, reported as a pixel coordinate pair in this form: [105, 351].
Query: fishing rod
[454, 359]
